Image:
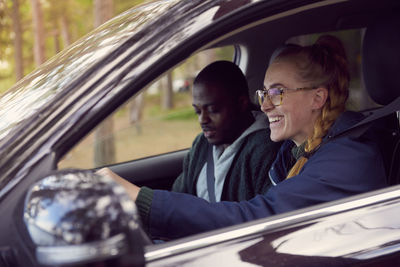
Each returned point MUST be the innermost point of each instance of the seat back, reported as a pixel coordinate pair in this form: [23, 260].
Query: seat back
[381, 70]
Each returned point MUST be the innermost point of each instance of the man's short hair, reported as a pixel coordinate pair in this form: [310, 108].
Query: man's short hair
[226, 75]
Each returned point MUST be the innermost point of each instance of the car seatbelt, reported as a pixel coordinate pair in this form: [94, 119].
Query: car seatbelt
[361, 127]
[210, 174]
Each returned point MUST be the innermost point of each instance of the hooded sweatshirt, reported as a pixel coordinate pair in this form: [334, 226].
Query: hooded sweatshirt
[240, 170]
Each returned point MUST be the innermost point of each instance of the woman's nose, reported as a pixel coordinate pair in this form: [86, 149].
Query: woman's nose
[266, 105]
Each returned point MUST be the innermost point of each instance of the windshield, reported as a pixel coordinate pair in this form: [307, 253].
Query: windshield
[34, 91]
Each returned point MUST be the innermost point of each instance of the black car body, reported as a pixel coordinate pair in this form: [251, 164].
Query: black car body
[49, 111]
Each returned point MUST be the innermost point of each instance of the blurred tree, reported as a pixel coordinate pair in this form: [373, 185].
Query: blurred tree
[168, 93]
[104, 148]
[52, 26]
[136, 106]
[60, 15]
[38, 30]
[18, 56]
[103, 11]
[5, 42]
[64, 22]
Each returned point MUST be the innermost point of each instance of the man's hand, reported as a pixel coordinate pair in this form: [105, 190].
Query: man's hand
[131, 189]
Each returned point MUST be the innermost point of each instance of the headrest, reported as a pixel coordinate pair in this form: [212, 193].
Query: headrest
[381, 60]
[279, 49]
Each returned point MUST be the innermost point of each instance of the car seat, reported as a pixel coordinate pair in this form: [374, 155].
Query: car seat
[381, 65]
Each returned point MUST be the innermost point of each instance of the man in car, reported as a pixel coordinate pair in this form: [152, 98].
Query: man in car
[230, 160]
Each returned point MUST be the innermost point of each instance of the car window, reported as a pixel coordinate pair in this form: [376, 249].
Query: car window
[359, 99]
[158, 120]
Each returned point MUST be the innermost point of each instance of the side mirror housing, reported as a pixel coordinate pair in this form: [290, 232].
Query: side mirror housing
[80, 218]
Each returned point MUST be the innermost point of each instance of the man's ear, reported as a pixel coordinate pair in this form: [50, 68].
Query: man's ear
[320, 97]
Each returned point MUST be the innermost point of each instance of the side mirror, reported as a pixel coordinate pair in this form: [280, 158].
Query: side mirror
[80, 218]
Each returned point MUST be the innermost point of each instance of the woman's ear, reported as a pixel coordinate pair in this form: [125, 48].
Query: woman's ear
[320, 96]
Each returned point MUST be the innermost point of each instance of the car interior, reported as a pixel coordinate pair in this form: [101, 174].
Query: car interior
[255, 34]
[255, 43]
[255, 40]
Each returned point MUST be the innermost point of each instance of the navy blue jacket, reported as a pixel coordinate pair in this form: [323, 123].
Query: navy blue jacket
[341, 167]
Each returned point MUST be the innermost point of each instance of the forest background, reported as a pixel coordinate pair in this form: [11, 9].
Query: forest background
[32, 31]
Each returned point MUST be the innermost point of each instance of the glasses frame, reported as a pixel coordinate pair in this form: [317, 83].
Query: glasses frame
[263, 94]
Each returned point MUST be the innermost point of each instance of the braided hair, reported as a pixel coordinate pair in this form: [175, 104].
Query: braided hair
[324, 64]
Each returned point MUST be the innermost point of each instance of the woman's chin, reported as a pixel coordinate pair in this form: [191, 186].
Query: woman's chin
[276, 137]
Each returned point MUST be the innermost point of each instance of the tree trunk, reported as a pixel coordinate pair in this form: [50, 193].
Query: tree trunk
[65, 30]
[104, 146]
[167, 102]
[57, 47]
[18, 56]
[37, 16]
[56, 10]
[136, 111]
[103, 11]
[104, 150]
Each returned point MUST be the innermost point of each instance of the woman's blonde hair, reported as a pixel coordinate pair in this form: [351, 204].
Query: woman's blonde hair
[322, 64]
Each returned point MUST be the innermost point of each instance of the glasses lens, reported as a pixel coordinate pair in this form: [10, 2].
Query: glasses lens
[275, 96]
[274, 91]
[261, 96]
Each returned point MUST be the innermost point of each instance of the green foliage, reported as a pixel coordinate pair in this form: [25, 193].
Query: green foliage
[225, 53]
[182, 107]
[123, 5]
[181, 114]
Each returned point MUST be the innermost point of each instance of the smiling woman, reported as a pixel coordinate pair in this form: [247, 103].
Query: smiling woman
[323, 68]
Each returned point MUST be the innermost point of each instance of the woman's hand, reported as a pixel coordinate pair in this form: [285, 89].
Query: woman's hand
[131, 189]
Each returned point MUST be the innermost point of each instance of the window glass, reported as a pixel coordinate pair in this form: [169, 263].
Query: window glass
[160, 119]
[352, 41]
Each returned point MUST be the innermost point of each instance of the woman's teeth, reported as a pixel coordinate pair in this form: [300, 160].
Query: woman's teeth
[275, 119]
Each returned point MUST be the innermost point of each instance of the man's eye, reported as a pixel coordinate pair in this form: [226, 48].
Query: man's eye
[213, 110]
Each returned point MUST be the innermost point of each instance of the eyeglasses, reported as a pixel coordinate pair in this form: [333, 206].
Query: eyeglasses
[275, 95]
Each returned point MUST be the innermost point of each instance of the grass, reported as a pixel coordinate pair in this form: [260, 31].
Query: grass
[181, 115]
